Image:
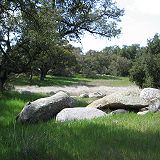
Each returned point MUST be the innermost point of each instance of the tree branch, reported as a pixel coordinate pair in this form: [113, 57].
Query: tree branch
[2, 50]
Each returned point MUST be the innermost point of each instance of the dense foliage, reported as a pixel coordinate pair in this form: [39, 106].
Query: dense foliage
[146, 68]
[34, 33]
[111, 60]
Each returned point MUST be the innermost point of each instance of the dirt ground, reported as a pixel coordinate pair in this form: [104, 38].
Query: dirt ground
[74, 90]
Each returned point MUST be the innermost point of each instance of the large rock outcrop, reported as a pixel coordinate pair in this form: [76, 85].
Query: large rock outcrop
[152, 96]
[45, 108]
[80, 113]
[120, 100]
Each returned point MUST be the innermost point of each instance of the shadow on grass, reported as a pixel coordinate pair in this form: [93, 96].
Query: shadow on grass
[98, 139]
[49, 81]
[8, 95]
[61, 81]
[11, 103]
[78, 140]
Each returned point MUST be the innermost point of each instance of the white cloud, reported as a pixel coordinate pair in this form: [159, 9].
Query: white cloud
[90, 42]
[140, 22]
[143, 6]
[146, 6]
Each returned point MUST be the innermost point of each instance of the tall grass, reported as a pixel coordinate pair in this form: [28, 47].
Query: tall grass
[118, 137]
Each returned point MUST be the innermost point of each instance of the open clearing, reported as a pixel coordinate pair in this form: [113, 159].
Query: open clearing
[74, 90]
[74, 85]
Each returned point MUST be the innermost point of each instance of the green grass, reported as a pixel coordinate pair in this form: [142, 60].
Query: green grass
[106, 80]
[118, 137]
[83, 102]
[120, 82]
[49, 81]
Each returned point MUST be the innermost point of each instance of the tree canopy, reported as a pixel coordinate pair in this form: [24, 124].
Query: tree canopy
[146, 68]
[30, 28]
[94, 16]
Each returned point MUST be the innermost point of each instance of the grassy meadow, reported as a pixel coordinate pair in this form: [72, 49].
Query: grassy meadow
[106, 80]
[118, 137]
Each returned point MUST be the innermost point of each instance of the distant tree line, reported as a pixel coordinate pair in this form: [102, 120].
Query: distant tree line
[111, 60]
[141, 64]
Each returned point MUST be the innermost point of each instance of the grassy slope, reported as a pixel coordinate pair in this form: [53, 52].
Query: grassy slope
[123, 137]
[77, 80]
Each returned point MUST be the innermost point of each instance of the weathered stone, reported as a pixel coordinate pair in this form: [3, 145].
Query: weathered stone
[52, 93]
[119, 111]
[80, 113]
[151, 95]
[62, 91]
[143, 112]
[45, 108]
[143, 109]
[120, 100]
[154, 106]
[96, 95]
[84, 95]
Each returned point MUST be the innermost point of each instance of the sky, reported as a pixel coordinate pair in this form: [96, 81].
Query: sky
[140, 22]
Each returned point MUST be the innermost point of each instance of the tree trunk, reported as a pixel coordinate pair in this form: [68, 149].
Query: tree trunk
[1, 86]
[3, 78]
[31, 75]
[43, 74]
[2, 82]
